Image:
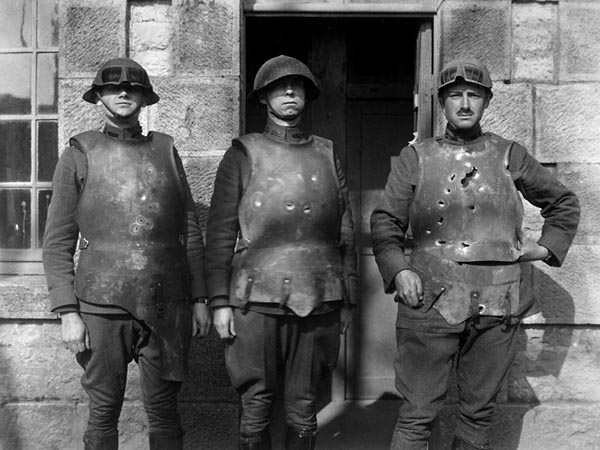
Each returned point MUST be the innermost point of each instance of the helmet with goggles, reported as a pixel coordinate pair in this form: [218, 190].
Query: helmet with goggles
[121, 71]
[470, 70]
[284, 66]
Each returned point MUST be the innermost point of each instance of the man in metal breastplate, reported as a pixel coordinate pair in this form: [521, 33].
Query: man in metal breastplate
[281, 262]
[459, 302]
[137, 290]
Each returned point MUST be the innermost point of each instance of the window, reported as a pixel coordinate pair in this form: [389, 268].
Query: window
[28, 128]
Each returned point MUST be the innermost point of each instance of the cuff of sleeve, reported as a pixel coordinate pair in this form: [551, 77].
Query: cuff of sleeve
[63, 296]
[219, 302]
[557, 249]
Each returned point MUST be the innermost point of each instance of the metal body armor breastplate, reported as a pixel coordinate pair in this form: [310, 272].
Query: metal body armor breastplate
[130, 216]
[466, 207]
[466, 223]
[290, 217]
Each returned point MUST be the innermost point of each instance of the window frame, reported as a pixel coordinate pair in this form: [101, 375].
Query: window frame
[28, 260]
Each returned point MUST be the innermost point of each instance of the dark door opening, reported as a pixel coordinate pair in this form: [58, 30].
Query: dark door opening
[367, 71]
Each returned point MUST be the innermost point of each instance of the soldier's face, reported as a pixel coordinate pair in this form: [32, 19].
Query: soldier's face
[124, 99]
[464, 104]
[285, 98]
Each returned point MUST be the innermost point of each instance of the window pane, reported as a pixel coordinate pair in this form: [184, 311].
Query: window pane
[15, 151]
[15, 84]
[43, 205]
[15, 23]
[47, 95]
[15, 208]
[47, 150]
[47, 23]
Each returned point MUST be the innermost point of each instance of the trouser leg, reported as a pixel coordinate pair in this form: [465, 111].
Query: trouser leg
[423, 364]
[251, 360]
[105, 375]
[486, 356]
[310, 347]
[158, 395]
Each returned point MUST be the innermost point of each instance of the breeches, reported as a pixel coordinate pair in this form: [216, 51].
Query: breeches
[269, 350]
[115, 341]
[482, 351]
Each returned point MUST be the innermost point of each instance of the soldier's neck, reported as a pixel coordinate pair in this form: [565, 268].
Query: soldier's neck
[454, 134]
[283, 133]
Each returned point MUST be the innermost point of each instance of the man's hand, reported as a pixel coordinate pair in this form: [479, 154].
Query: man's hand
[223, 322]
[409, 288]
[201, 320]
[346, 316]
[75, 335]
[532, 251]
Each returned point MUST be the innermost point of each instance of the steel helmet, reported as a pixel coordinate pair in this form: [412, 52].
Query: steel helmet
[470, 70]
[118, 71]
[283, 66]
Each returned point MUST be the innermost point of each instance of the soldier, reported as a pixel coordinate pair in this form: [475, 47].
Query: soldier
[138, 291]
[458, 293]
[281, 262]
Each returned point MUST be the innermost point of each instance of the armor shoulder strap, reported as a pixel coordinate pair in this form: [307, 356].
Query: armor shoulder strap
[163, 140]
[86, 140]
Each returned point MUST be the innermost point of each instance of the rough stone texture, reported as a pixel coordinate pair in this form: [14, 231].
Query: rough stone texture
[151, 37]
[555, 364]
[201, 114]
[24, 297]
[208, 37]
[506, 120]
[76, 115]
[91, 32]
[201, 172]
[534, 41]
[567, 123]
[471, 28]
[568, 293]
[579, 41]
[583, 180]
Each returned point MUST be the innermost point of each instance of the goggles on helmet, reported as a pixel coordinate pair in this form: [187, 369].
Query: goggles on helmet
[471, 73]
[119, 75]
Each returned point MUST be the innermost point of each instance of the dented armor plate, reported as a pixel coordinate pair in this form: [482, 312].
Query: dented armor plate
[130, 216]
[290, 218]
[466, 206]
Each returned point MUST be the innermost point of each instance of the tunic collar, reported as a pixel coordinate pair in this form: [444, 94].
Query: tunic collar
[290, 135]
[133, 133]
[454, 135]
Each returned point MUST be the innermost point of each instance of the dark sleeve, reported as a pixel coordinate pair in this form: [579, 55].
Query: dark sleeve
[390, 219]
[223, 224]
[193, 237]
[347, 241]
[60, 236]
[559, 205]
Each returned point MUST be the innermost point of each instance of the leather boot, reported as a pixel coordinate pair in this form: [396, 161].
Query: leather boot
[101, 442]
[461, 444]
[163, 441]
[256, 441]
[299, 439]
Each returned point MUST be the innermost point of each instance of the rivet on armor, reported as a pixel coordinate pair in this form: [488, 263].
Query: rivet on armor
[314, 178]
[474, 294]
[143, 197]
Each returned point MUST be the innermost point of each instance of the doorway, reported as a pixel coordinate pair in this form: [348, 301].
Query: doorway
[368, 70]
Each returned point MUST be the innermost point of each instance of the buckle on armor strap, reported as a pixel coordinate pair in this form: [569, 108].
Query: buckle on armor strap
[83, 243]
[158, 297]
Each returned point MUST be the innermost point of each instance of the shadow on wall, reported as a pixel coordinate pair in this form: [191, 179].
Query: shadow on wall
[541, 353]
[9, 434]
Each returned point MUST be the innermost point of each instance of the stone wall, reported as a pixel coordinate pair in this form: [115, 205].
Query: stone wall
[544, 57]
